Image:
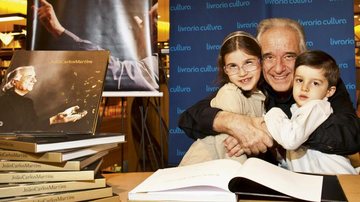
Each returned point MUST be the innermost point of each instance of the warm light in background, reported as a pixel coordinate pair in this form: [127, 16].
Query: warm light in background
[357, 31]
[163, 20]
[163, 30]
[12, 17]
[13, 6]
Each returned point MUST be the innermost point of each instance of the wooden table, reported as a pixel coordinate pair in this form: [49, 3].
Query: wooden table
[351, 186]
[122, 183]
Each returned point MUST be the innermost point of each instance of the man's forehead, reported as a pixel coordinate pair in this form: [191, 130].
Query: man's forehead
[27, 74]
[282, 40]
[27, 71]
[277, 33]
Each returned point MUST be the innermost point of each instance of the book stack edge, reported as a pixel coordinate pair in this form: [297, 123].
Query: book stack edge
[60, 175]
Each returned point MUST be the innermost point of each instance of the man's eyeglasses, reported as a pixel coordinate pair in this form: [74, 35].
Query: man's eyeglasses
[270, 60]
[248, 66]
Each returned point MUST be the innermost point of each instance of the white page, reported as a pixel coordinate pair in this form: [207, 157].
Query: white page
[307, 187]
[205, 194]
[167, 183]
[215, 173]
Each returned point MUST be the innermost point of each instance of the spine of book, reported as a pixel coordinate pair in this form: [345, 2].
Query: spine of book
[35, 166]
[77, 153]
[24, 156]
[18, 145]
[50, 187]
[42, 145]
[84, 195]
[92, 159]
[22, 177]
[55, 156]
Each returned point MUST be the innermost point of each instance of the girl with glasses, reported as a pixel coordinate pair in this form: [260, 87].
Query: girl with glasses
[240, 78]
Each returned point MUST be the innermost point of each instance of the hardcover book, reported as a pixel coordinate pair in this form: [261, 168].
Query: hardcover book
[24, 177]
[55, 156]
[17, 166]
[11, 190]
[38, 144]
[52, 91]
[50, 100]
[76, 164]
[87, 161]
[88, 173]
[50, 151]
[81, 195]
[228, 180]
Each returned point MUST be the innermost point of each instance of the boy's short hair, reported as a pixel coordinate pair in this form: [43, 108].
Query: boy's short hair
[318, 59]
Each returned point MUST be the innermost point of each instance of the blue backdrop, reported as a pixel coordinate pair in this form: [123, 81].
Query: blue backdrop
[197, 29]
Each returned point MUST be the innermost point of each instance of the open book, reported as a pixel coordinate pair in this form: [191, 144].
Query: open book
[228, 180]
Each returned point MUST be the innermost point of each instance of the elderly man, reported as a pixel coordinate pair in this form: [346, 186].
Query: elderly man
[281, 40]
[17, 110]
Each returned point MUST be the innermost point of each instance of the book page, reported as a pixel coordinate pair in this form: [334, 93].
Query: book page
[215, 173]
[302, 186]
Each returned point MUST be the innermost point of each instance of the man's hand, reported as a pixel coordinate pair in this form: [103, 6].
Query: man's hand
[233, 147]
[47, 17]
[250, 133]
[71, 114]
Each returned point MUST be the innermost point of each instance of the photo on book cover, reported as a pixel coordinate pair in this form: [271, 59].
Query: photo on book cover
[52, 91]
[128, 29]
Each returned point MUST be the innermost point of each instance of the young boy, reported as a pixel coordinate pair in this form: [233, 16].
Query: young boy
[315, 79]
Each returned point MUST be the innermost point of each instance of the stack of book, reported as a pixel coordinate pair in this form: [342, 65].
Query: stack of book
[47, 169]
[54, 158]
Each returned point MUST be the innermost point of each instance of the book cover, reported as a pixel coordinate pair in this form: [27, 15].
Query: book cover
[87, 173]
[26, 156]
[52, 91]
[55, 156]
[24, 177]
[84, 162]
[39, 144]
[72, 165]
[82, 195]
[214, 181]
[26, 166]
[95, 166]
[11, 190]
[82, 152]
[251, 190]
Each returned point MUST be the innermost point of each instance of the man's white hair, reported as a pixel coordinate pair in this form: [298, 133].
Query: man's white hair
[14, 75]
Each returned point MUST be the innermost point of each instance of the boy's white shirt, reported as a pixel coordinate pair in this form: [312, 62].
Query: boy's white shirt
[292, 133]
